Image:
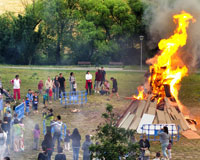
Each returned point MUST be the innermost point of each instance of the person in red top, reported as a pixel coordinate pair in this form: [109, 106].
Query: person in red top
[97, 80]
[40, 86]
[16, 87]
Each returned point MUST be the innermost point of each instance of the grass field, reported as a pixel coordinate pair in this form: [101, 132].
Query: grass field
[90, 115]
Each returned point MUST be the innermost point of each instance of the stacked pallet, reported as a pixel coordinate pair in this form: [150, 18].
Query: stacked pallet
[139, 110]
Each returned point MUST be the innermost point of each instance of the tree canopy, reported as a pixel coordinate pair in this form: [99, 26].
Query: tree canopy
[68, 31]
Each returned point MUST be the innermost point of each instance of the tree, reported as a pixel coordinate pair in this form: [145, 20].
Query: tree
[59, 19]
[113, 142]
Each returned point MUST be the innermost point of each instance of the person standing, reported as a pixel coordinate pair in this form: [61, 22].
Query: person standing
[56, 86]
[62, 82]
[103, 75]
[48, 84]
[144, 146]
[114, 88]
[71, 81]
[164, 140]
[40, 86]
[76, 138]
[57, 125]
[98, 80]
[16, 87]
[88, 85]
[3, 139]
[48, 143]
[85, 148]
[36, 135]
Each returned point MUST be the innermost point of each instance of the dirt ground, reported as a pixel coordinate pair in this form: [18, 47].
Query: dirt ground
[88, 119]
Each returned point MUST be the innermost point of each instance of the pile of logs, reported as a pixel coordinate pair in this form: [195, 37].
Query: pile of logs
[168, 114]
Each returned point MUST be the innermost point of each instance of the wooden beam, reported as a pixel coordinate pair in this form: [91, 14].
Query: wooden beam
[128, 121]
[161, 116]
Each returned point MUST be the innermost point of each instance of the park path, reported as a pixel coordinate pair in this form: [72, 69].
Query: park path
[73, 68]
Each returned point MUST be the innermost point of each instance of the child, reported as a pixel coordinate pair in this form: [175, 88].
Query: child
[50, 95]
[36, 134]
[40, 86]
[169, 149]
[7, 108]
[30, 96]
[67, 140]
[27, 106]
[45, 98]
[157, 156]
[60, 155]
[35, 102]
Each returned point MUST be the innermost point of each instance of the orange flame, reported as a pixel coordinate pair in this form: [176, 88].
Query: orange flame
[141, 94]
[169, 68]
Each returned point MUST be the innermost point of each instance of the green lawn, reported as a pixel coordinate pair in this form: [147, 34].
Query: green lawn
[90, 115]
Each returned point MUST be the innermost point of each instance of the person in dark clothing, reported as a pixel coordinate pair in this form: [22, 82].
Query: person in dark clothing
[103, 75]
[48, 143]
[97, 80]
[62, 86]
[114, 88]
[6, 128]
[76, 138]
[6, 158]
[44, 154]
[56, 86]
[144, 145]
[60, 155]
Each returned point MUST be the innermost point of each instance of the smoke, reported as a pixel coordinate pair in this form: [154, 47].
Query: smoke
[159, 21]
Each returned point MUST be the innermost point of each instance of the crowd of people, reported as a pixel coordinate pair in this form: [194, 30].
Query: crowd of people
[12, 128]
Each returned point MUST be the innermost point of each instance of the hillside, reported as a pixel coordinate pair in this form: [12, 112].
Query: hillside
[16, 6]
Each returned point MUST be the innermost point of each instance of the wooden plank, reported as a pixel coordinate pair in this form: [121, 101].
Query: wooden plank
[140, 108]
[189, 134]
[124, 119]
[132, 105]
[147, 104]
[128, 121]
[135, 123]
[155, 121]
[152, 108]
[146, 119]
[184, 122]
[167, 117]
[161, 116]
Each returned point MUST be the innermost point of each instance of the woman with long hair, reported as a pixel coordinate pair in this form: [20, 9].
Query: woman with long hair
[76, 138]
[164, 140]
[48, 143]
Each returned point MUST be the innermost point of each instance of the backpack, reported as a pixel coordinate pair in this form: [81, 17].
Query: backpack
[2, 139]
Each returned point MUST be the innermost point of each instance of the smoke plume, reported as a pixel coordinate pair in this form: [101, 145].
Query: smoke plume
[159, 21]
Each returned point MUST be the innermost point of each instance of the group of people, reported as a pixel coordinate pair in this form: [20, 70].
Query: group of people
[54, 132]
[166, 145]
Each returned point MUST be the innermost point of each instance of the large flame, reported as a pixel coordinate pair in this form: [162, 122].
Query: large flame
[167, 67]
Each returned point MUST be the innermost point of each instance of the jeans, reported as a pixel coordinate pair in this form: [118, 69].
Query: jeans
[56, 93]
[164, 148]
[75, 153]
[56, 136]
[49, 152]
[86, 157]
[89, 88]
[36, 143]
[61, 89]
[71, 86]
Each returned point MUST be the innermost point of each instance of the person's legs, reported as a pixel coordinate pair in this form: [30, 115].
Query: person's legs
[77, 153]
[164, 147]
[14, 92]
[18, 94]
[90, 88]
[57, 93]
[58, 139]
[37, 143]
[60, 92]
[74, 153]
[54, 94]
[169, 153]
[54, 140]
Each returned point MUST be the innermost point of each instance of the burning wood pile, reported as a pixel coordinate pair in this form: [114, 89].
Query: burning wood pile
[159, 95]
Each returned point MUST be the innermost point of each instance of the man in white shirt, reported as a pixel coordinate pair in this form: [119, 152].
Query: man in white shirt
[16, 87]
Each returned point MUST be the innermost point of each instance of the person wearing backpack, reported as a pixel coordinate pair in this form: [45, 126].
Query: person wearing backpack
[3, 138]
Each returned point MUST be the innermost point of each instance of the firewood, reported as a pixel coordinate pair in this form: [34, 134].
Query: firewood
[161, 116]
[128, 121]
[124, 119]
[152, 108]
[135, 123]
